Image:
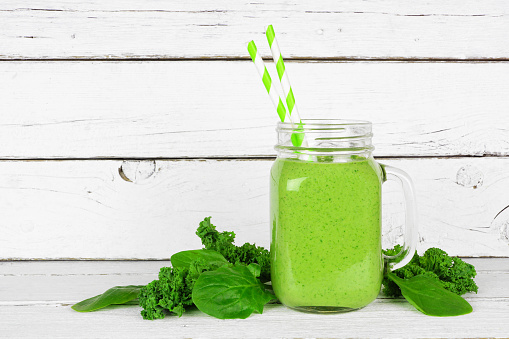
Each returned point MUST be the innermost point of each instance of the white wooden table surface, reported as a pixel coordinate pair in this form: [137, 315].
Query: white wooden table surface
[125, 123]
[35, 299]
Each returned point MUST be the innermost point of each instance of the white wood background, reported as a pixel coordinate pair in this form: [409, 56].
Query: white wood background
[203, 29]
[125, 123]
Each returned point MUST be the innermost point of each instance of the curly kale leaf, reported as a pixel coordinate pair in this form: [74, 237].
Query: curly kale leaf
[172, 292]
[223, 243]
[452, 273]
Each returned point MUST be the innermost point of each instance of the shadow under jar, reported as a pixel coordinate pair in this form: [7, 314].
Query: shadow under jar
[325, 212]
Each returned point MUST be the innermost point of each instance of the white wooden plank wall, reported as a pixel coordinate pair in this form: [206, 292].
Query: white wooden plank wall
[169, 109]
[204, 29]
[164, 94]
[85, 209]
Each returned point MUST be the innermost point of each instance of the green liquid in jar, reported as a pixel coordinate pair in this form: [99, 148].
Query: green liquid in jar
[326, 233]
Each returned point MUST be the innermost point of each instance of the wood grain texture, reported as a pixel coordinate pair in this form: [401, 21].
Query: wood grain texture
[381, 319]
[183, 87]
[220, 109]
[64, 282]
[86, 209]
[35, 299]
[201, 29]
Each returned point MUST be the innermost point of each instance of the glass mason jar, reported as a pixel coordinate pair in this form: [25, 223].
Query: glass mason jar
[325, 213]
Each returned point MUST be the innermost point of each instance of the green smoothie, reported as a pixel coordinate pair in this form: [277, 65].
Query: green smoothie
[326, 233]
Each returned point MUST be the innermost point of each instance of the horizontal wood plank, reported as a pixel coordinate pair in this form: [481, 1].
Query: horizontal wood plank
[220, 109]
[148, 267]
[146, 209]
[64, 282]
[384, 318]
[39, 294]
[202, 29]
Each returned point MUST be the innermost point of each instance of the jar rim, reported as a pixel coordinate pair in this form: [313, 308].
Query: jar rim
[323, 124]
[325, 137]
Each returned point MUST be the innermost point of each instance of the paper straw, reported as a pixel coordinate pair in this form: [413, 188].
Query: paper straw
[267, 81]
[296, 138]
[293, 112]
[283, 75]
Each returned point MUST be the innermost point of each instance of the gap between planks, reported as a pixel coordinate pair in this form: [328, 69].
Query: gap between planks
[246, 158]
[64, 259]
[308, 59]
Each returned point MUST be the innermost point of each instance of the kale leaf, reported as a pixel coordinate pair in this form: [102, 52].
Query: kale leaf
[452, 273]
[172, 292]
[223, 243]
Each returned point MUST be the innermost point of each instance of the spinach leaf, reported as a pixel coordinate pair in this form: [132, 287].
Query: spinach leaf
[429, 297]
[231, 292]
[211, 258]
[113, 296]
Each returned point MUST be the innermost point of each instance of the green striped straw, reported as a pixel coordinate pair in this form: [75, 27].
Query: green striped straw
[293, 112]
[267, 81]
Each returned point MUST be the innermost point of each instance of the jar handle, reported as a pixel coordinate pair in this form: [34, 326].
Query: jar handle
[410, 235]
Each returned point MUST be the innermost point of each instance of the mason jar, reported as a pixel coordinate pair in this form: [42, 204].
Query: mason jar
[325, 213]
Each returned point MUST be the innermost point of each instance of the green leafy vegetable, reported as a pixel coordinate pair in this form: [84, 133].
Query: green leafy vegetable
[184, 259]
[223, 243]
[452, 273]
[428, 296]
[231, 292]
[226, 281]
[113, 296]
[171, 293]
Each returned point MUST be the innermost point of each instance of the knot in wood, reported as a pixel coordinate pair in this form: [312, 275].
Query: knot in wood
[137, 171]
[469, 176]
[500, 224]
